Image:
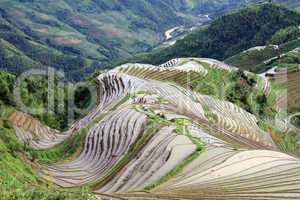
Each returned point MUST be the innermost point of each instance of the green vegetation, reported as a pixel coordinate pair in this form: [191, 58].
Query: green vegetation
[34, 94]
[287, 142]
[229, 35]
[181, 129]
[289, 61]
[260, 60]
[243, 92]
[291, 45]
[295, 108]
[238, 88]
[285, 35]
[209, 115]
[18, 179]
[62, 151]
[81, 36]
[213, 83]
[239, 92]
[296, 121]
[7, 81]
[253, 60]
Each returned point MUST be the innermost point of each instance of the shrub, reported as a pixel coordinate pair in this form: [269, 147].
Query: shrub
[285, 35]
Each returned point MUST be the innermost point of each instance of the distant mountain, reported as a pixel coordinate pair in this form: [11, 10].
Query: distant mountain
[230, 34]
[79, 36]
[291, 3]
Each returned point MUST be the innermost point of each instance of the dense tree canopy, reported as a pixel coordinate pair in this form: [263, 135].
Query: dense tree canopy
[230, 34]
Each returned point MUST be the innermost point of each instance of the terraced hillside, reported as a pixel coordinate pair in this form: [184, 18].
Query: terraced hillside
[280, 86]
[153, 136]
[291, 79]
[261, 58]
[257, 25]
[286, 82]
[282, 75]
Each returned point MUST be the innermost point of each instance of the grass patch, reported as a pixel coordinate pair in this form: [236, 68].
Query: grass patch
[252, 59]
[174, 171]
[287, 142]
[62, 151]
[213, 83]
[209, 115]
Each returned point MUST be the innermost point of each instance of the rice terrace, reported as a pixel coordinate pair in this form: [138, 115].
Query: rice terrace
[213, 116]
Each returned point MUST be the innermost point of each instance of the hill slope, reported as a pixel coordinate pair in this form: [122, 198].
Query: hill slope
[261, 58]
[80, 36]
[230, 34]
[155, 133]
[189, 128]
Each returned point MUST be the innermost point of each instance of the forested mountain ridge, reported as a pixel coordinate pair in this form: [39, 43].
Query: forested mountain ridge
[81, 36]
[230, 34]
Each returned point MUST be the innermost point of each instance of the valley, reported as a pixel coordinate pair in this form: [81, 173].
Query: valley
[179, 32]
[88, 35]
[80, 37]
[186, 100]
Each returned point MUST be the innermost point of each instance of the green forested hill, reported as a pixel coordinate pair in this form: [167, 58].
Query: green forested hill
[291, 3]
[259, 59]
[230, 34]
[79, 36]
